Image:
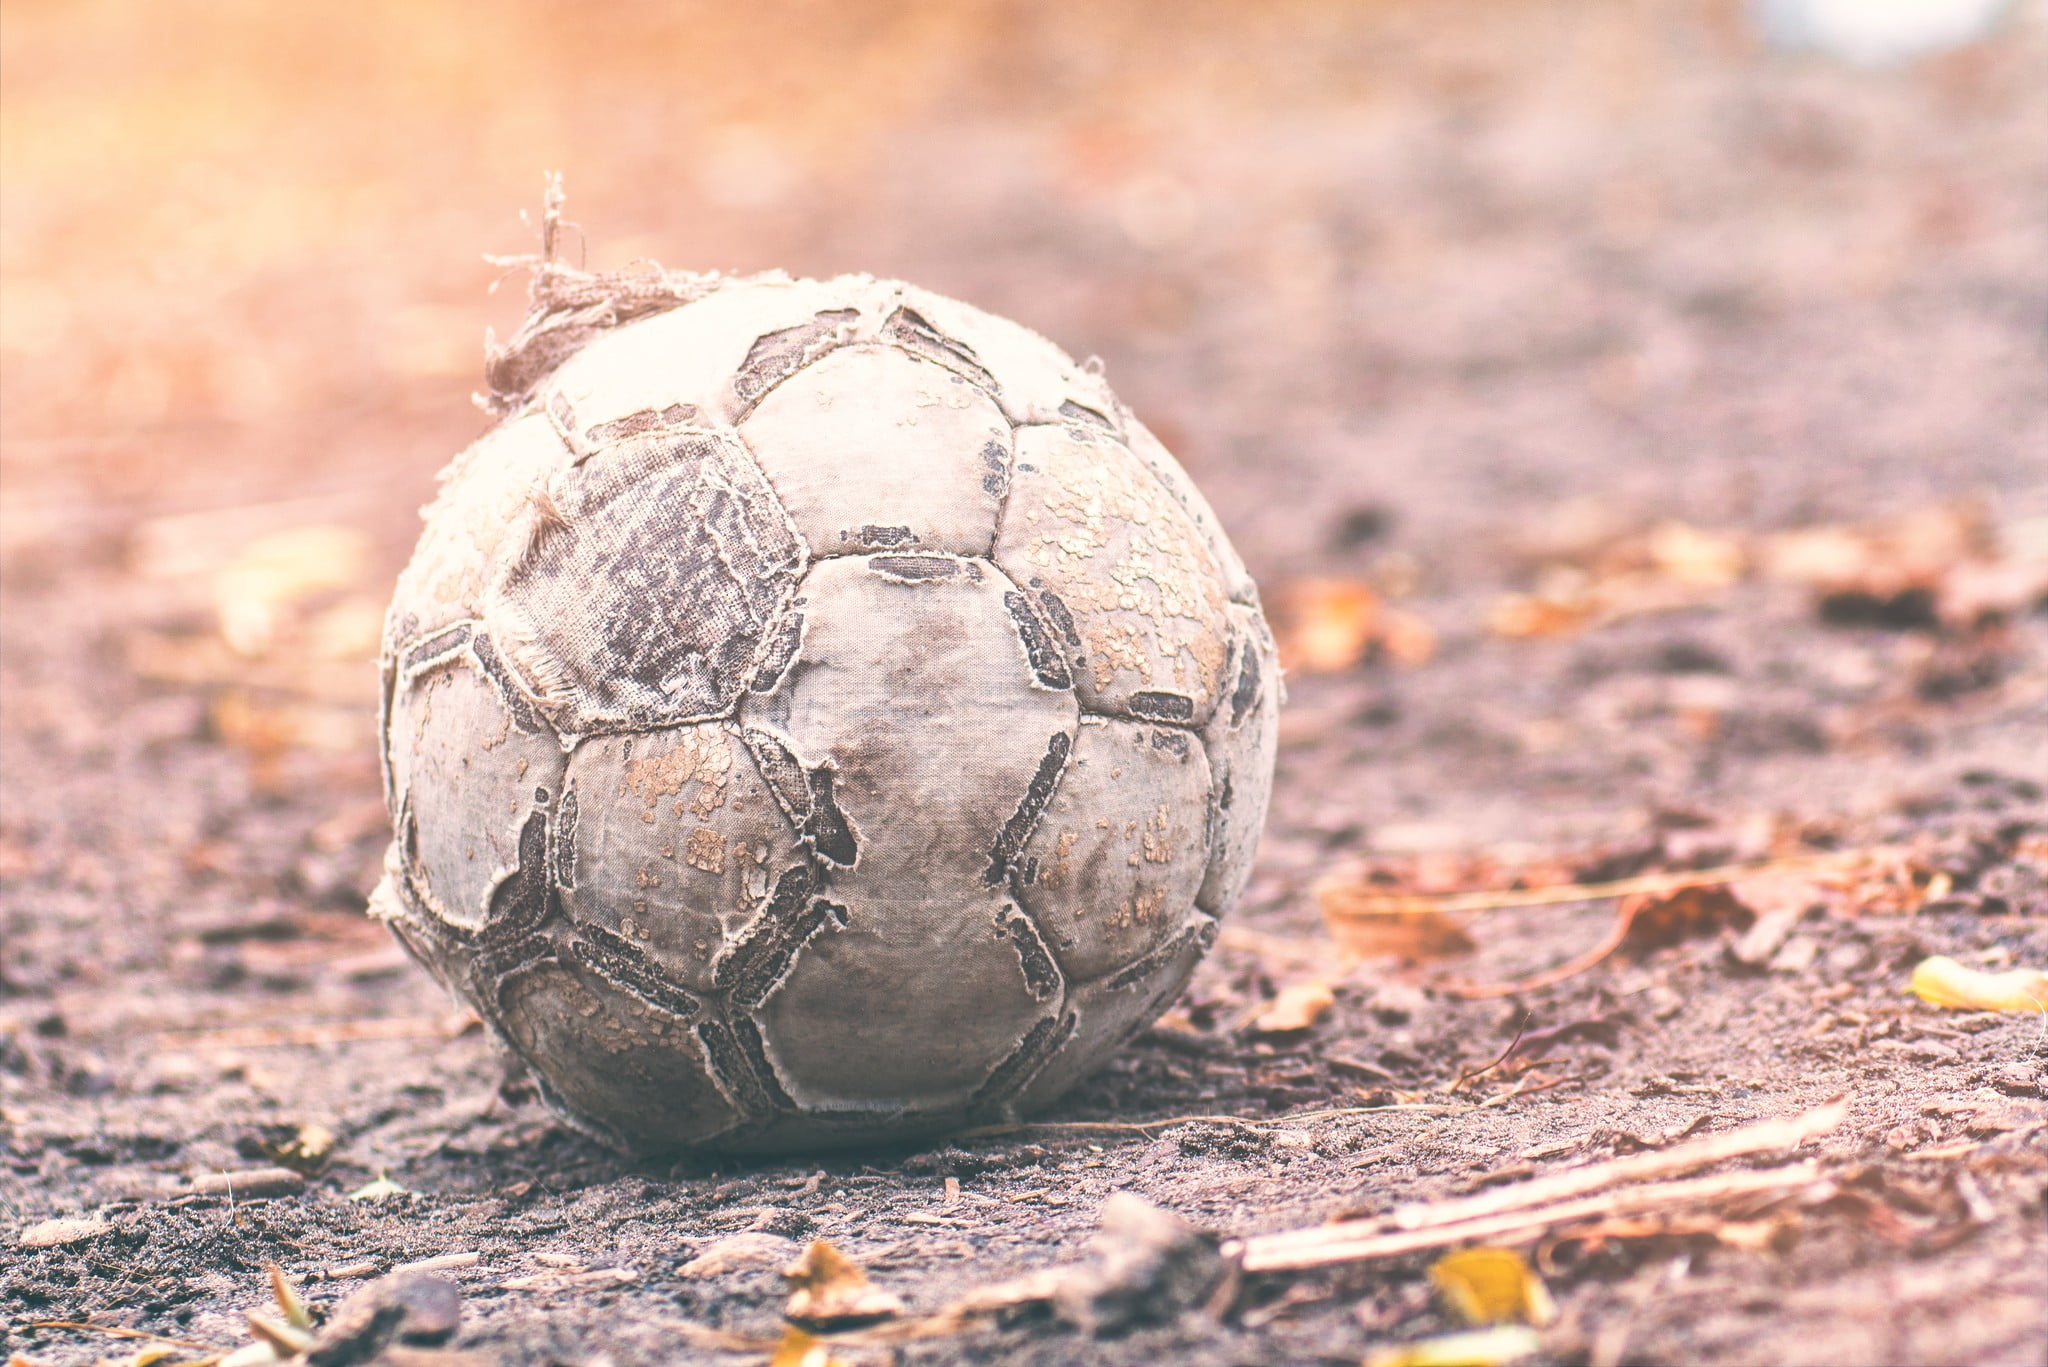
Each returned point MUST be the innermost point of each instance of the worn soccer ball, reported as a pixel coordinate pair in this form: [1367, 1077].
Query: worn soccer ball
[817, 713]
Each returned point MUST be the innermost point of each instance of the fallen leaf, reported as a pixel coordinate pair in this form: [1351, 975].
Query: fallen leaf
[288, 1299]
[1477, 1348]
[1324, 626]
[1944, 982]
[1484, 1286]
[830, 1288]
[308, 1150]
[1368, 923]
[1589, 582]
[799, 1349]
[1295, 1008]
[1642, 922]
[379, 1190]
[745, 1252]
[1690, 913]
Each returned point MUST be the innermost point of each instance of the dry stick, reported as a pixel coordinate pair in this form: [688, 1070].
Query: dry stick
[1340, 1244]
[1549, 977]
[118, 1333]
[1147, 1126]
[1367, 905]
[1520, 1199]
[330, 1032]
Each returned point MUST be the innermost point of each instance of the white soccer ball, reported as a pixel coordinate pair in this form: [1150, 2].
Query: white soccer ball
[817, 713]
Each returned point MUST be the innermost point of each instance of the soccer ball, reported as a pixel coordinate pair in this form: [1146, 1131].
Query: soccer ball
[818, 713]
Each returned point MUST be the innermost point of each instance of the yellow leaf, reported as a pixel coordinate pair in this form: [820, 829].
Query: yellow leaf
[799, 1349]
[288, 1300]
[378, 1190]
[1492, 1286]
[1296, 1008]
[831, 1289]
[1944, 982]
[1479, 1348]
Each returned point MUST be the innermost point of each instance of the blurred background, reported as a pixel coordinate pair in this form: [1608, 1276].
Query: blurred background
[1443, 302]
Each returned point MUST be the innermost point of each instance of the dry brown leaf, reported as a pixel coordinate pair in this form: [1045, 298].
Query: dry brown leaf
[1485, 1286]
[1523, 615]
[1367, 923]
[1295, 1008]
[1944, 565]
[1658, 922]
[831, 1289]
[1671, 566]
[1942, 981]
[1323, 626]
[1642, 922]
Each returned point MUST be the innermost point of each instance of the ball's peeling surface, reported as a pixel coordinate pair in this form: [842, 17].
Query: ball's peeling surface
[819, 712]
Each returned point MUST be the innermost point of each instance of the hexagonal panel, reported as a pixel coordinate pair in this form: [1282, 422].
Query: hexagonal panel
[469, 763]
[1152, 453]
[706, 362]
[1112, 868]
[1108, 1011]
[1033, 377]
[672, 841]
[484, 499]
[629, 1071]
[1111, 555]
[1242, 740]
[873, 447]
[914, 697]
[652, 595]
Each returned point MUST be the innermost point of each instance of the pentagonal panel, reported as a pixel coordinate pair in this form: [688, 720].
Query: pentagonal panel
[1111, 555]
[708, 361]
[914, 718]
[1112, 868]
[1108, 1011]
[672, 841]
[632, 1071]
[911, 999]
[469, 763]
[1032, 377]
[652, 595]
[1242, 740]
[485, 498]
[875, 447]
[1156, 458]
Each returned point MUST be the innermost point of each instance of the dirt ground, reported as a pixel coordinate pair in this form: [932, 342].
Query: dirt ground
[1453, 301]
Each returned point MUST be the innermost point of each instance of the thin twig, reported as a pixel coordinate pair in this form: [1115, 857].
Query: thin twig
[1147, 1126]
[1464, 1077]
[325, 1032]
[1342, 1243]
[1765, 1137]
[117, 1332]
[1366, 904]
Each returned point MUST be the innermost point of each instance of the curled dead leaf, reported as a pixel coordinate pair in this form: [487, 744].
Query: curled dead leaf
[1295, 1008]
[1323, 626]
[831, 1289]
[1690, 913]
[1367, 923]
[1483, 1286]
[1942, 981]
